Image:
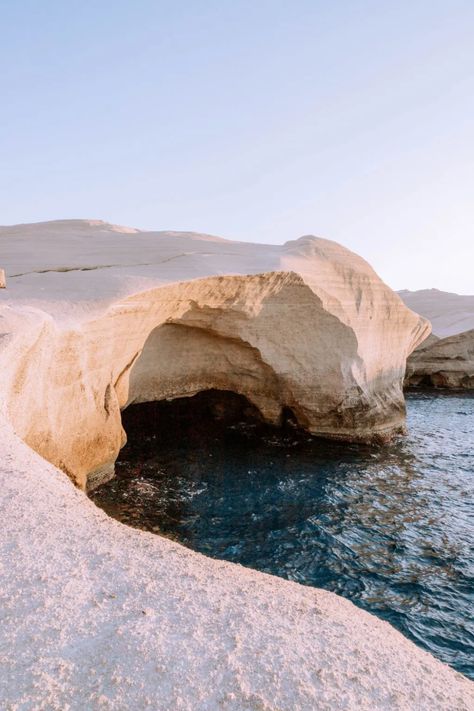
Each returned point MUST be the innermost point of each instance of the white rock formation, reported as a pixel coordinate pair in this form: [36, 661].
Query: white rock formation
[96, 615]
[97, 317]
[449, 313]
[446, 358]
[443, 363]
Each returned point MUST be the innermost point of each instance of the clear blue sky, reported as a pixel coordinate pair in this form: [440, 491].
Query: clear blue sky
[255, 120]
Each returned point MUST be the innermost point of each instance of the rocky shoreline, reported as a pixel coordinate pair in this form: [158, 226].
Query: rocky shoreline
[446, 363]
[97, 615]
[100, 615]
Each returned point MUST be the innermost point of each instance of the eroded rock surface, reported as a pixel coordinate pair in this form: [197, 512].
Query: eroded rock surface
[443, 363]
[99, 615]
[97, 317]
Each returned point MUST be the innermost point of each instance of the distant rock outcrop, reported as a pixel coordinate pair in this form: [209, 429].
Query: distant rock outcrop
[448, 313]
[97, 317]
[443, 363]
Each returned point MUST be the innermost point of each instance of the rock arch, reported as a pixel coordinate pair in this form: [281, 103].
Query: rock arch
[178, 360]
[268, 337]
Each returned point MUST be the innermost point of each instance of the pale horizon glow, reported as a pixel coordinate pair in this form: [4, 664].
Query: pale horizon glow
[256, 121]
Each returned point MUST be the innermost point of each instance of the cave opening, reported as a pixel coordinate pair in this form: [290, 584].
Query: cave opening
[209, 411]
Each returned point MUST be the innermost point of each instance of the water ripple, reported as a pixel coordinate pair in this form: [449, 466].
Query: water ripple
[390, 528]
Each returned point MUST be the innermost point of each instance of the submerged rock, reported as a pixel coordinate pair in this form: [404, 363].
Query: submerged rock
[98, 317]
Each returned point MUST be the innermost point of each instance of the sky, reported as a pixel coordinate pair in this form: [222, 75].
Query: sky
[255, 120]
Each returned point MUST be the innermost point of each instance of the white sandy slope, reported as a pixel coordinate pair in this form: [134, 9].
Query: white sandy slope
[95, 615]
[448, 313]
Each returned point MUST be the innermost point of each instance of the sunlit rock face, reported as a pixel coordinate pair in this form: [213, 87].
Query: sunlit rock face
[443, 363]
[107, 316]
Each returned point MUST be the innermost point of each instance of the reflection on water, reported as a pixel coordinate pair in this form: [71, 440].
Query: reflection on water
[390, 528]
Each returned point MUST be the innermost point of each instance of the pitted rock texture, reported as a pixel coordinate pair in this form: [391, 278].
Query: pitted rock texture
[97, 317]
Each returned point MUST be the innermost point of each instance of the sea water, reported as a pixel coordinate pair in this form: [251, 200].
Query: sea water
[389, 527]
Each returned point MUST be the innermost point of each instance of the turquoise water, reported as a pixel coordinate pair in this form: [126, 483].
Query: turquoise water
[391, 528]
